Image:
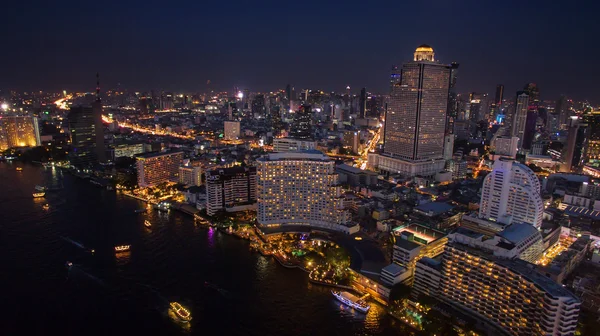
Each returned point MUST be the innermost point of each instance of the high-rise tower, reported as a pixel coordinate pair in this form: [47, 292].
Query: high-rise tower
[415, 119]
[519, 117]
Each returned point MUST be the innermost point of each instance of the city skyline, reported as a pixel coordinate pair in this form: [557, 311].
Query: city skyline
[180, 54]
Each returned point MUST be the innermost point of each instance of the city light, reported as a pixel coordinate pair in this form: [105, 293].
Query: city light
[4, 106]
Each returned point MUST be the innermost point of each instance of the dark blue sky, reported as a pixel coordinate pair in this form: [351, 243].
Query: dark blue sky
[262, 45]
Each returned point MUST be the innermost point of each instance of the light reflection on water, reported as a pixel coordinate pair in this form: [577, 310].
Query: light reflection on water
[174, 257]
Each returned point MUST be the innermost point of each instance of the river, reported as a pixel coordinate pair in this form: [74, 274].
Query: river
[105, 294]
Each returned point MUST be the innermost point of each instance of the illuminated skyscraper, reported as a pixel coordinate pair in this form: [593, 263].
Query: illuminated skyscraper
[415, 119]
[300, 188]
[19, 132]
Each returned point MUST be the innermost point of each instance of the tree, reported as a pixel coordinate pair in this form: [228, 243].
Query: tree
[339, 259]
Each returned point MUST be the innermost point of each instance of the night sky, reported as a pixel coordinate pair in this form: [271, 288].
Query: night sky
[263, 45]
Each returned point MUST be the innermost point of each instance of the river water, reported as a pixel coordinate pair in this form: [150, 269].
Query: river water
[108, 294]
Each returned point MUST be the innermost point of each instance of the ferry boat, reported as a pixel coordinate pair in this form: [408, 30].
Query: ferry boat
[181, 312]
[19, 168]
[147, 223]
[38, 194]
[122, 248]
[351, 300]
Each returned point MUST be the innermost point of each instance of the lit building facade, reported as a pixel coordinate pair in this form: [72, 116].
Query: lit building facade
[506, 146]
[190, 175]
[230, 189]
[300, 188]
[511, 193]
[19, 132]
[128, 150]
[415, 121]
[416, 242]
[156, 168]
[231, 130]
[292, 144]
[509, 294]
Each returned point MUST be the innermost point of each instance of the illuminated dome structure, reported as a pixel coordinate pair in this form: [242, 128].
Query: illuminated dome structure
[424, 53]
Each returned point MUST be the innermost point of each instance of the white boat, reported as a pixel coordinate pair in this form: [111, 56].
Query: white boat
[122, 248]
[351, 300]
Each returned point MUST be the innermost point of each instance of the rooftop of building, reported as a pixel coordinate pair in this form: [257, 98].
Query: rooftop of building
[394, 269]
[576, 211]
[407, 244]
[353, 170]
[310, 154]
[436, 208]
[421, 232]
[517, 232]
[157, 154]
[231, 170]
[431, 262]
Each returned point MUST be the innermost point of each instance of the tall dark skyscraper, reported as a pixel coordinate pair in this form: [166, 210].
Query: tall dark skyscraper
[528, 135]
[98, 126]
[499, 95]
[562, 110]
[415, 120]
[301, 127]
[83, 151]
[87, 133]
[576, 145]
[362, 108]
[258, 105]
[534, 94]
[452, 98]
[519, 117]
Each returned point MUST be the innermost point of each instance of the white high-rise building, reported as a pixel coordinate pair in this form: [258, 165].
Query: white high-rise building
[448, 146]
[300, 188]
[506, 146]
[415, 121]
[511, 193]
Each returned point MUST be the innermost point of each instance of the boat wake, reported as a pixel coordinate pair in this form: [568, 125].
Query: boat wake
[76, 271]
[80, 245]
